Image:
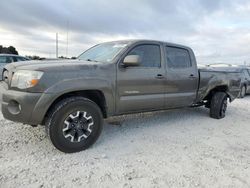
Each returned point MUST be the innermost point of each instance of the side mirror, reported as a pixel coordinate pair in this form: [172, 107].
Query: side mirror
[131, 60]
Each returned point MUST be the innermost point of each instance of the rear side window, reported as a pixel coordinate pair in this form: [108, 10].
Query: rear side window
[150, 55]
[177, 58]
[17, 58]
[14, 59]
[21, 59]
[24, 59]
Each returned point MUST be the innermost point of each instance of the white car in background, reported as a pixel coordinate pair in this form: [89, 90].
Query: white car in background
[9, 58]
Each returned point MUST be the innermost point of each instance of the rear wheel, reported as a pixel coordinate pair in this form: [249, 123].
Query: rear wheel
[243, 91]
[218, 105]
[74, 124]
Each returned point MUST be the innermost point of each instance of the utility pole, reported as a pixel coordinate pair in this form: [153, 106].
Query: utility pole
[56, 45]
[67, 47]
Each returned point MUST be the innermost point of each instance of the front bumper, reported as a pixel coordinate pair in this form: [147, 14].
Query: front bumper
[24, 107]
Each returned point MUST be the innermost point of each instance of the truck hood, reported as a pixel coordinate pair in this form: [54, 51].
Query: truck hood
[53, 65]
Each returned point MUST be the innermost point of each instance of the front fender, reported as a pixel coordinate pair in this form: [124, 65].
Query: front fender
[81, 84]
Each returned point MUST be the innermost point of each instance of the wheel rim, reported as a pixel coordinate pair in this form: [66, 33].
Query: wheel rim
[77, 126]
[224, 108]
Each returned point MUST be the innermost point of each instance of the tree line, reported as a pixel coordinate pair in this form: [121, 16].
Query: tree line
[8, 50]
[12, 50]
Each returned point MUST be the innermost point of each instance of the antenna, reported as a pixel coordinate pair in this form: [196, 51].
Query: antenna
[56, 45]
[67, 47]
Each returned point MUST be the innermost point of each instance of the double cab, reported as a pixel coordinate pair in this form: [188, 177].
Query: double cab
[72, 97]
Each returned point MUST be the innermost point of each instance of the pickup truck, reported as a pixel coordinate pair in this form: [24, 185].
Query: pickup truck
[72, 97]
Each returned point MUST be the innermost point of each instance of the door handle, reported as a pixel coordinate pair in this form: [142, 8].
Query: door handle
[192, 76]
[159, 76]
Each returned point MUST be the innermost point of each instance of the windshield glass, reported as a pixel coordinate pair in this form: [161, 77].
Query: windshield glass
[105, 52]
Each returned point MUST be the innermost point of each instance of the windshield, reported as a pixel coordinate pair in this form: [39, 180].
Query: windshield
[105, 52]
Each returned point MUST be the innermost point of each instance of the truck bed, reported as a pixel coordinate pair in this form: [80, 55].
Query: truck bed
[210, 77]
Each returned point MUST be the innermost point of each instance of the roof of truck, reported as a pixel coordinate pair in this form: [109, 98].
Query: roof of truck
[148, 40]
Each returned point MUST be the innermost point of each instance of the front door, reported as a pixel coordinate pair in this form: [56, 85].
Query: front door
[142, 88]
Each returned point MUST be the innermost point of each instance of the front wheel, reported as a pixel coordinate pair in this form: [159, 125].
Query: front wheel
[74, 124]
[218, 105]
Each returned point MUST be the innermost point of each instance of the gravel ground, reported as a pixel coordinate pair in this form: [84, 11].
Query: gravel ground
[180, 148]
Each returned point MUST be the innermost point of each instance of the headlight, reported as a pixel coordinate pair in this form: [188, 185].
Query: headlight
[24, 79]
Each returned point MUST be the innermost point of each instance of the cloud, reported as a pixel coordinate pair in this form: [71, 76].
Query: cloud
[216, 30]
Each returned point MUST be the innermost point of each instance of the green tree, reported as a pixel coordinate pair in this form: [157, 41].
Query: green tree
[9, 50]
[12, 50]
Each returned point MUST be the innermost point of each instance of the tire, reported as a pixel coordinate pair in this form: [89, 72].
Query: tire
[218, 105]
[243, 91]
[74, 124]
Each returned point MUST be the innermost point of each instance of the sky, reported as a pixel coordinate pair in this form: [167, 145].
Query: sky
[217, 30]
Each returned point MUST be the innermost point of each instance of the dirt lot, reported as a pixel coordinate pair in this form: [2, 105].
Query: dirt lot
[180, 148]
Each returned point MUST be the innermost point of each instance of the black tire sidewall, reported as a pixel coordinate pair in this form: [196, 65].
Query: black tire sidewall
[221, 105]
[216, 105]
[57, 124]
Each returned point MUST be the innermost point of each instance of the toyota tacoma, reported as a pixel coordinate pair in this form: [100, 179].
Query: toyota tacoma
[72, 97]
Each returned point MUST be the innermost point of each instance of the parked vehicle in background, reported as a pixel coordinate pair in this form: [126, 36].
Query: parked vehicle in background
[245, 76]
[245, 82]
[220, 65]
[71, 97]
[9, 58]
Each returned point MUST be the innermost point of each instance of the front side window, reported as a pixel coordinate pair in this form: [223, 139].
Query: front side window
[105, 52]
[177, 58]
[2, 59]
[5, 59]
[150, 55]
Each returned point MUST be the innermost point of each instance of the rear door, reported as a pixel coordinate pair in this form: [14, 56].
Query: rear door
[181, 77]
[142, 88]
